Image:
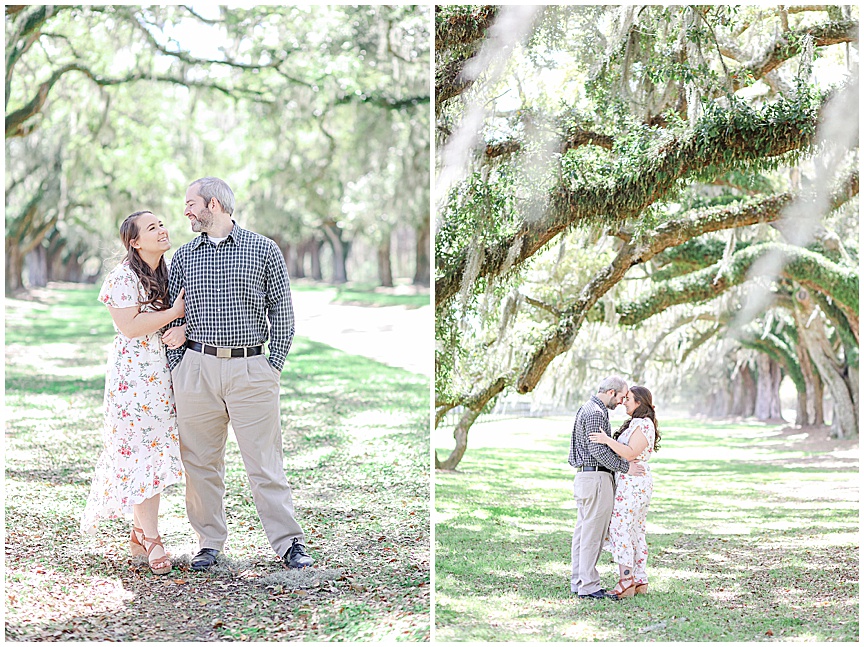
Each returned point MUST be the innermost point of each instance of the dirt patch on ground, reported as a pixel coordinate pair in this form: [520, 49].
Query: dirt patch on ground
[818, 440]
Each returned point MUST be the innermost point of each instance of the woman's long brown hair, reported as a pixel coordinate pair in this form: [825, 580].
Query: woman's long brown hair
[644, 410]
[155, 282]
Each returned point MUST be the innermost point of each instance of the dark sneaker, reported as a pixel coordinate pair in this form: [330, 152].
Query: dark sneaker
[205, 558]
[297, 557]
[600, 594]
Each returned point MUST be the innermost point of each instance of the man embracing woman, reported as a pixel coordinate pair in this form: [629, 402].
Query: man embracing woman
[612, 488]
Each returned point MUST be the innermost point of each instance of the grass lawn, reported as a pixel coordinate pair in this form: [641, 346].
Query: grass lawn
[356, 445]
[752, 533]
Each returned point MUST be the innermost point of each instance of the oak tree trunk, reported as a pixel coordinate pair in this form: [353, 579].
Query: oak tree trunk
[813, 397]
[295, 262]
[56, 247]
[460, 433]
[385, 267]
[818, 404]
[719, 403]
[314, 249]
[340, 247]
[844, 423]
[474, 407]
[37, 266]
[768, 389]
[743, 392]
[422, 269]
[14, 267]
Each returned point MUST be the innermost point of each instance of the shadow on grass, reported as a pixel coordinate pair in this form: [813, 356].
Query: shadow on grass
[355, 440]
[764, 540]
[30, 383]
[112, 597]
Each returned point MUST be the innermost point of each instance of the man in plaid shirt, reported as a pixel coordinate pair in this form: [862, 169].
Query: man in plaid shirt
[594, 486]
[237, 296]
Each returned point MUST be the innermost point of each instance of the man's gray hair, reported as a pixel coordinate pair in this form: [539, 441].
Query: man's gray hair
[213, 187]
[613, 382]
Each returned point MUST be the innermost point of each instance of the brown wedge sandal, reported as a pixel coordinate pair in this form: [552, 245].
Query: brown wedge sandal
[641, 588]
[135, 545]
[161, 566]
[627, 591]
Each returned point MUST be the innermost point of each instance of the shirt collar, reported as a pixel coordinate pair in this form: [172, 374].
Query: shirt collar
[234, 236]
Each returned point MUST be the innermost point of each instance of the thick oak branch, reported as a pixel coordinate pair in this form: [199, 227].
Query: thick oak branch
[463, 28]
[669, 234]
[788, 45]
[803, 266]
[575, 139]
[720, 147]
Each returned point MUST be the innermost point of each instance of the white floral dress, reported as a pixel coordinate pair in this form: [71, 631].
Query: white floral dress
[141, 454]
[626, 536]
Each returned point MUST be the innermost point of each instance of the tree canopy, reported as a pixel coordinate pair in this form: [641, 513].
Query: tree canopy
[317, 116]
[685, 174]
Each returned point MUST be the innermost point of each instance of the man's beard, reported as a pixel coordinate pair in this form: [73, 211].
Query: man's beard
[611, 405]
[203, 221]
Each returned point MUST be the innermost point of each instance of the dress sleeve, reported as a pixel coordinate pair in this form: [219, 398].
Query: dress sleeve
[647, 428]
[121, 288]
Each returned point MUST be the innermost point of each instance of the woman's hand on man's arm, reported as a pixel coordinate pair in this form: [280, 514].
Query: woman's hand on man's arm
[134, 323]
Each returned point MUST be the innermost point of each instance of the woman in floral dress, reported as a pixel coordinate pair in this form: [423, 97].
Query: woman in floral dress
[141, 454]
[637, 439]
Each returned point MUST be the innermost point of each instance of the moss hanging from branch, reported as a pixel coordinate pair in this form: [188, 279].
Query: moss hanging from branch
[459, 32]
[723, 139]
[801, 265]
[462, 26]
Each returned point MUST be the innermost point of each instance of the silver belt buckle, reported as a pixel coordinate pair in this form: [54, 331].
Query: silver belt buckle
[223, 352]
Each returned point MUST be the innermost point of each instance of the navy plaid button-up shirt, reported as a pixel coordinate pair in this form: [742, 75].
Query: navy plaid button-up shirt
[232, 290]
[593, 416]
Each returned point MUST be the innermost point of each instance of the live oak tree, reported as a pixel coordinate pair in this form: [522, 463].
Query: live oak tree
[683, 126]
[365, 170]
[83, 77]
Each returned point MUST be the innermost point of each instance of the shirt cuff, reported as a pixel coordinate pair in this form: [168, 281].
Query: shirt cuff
[174, 357]
[277, 360]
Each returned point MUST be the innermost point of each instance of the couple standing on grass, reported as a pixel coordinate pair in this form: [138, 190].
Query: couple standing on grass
[612, 488]
[225, 286]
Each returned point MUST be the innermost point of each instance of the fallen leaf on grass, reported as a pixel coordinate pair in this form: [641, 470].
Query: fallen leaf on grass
[769, 633]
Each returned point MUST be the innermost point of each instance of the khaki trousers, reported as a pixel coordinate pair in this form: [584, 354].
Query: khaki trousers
[594, 493]
[210, 391]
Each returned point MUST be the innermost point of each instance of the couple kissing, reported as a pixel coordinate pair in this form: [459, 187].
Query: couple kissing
[612, 488]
